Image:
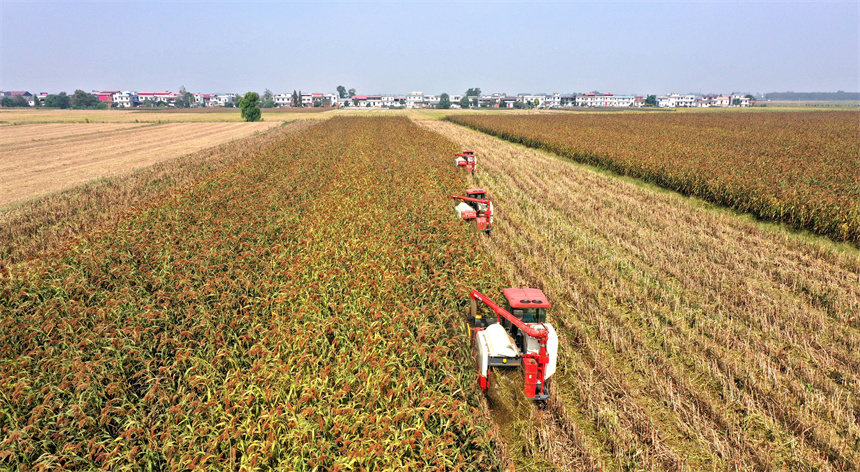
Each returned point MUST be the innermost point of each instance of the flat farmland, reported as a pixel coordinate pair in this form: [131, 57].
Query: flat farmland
[18, 116]
[800, 168]
[47, 158]
[690, 339]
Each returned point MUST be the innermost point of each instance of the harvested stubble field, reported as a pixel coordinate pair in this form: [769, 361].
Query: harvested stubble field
[690, 339]
[17, 116]
[43, 159]
[802, 168]
[277, 315]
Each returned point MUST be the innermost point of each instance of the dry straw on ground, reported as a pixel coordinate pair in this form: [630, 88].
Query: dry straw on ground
[691, 339]
[43, 161]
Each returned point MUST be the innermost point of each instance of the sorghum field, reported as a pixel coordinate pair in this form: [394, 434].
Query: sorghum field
[297, 311]
[802, 168]
[690, 339]
[30, 227]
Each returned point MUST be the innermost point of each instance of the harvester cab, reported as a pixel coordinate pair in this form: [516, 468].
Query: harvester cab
[476, 207]
[518, 336]
[466, 159]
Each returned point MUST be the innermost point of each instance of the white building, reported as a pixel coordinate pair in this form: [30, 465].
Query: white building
[283, 99]
[608, 100]
[552, 101]
[222, 99]
[738, 100]
[414, 99]
[125, 99]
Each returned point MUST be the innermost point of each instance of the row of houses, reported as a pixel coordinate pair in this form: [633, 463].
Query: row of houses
[555, 100]
[129, 99]
[674, 100]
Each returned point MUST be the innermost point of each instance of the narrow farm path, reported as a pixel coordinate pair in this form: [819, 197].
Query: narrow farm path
[691, 339]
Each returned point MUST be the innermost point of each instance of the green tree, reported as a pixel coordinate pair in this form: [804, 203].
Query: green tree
[444, 102]
[81, 100]
[341, 91]
[180, 101]
[474, 94]
[537, 102]
[350, 92]
[250, 105]
[6, 102]
[268, 99]
[464, 102]
[651, 100]
[19, 101]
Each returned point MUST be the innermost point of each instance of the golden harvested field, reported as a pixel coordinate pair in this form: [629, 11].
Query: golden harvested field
[25, 116]
[691, 339]
[27, 134]
[35, 163]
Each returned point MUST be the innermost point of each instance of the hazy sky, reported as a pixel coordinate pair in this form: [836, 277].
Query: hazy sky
[398, 47]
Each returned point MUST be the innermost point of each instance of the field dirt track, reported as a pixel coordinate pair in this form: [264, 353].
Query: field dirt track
[690, 339]
[47, 158]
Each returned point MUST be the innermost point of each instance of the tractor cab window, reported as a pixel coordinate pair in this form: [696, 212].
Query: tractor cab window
[530, 315]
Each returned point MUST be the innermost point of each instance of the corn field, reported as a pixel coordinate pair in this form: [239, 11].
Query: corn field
[801, 168]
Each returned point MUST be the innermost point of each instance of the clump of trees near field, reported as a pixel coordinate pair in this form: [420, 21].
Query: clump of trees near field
[250, 105]
[80, 100]
[16, 101]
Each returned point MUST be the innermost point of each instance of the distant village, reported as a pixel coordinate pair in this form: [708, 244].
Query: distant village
[130, 99]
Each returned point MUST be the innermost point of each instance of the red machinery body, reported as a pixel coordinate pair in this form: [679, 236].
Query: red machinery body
[477, 207]
[466, 159]
[519, 336]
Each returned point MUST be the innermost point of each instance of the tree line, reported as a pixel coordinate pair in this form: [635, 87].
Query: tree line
[80, 100]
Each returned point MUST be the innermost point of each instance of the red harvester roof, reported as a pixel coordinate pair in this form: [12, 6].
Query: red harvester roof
[526, 298]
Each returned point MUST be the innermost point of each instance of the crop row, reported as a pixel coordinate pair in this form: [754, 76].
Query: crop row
[798, 168]
[689, 339]
[295, 312]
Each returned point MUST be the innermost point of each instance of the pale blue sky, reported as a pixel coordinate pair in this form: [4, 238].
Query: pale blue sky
[397, 47]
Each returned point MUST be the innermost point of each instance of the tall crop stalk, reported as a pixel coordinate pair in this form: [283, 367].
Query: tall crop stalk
[298, 311]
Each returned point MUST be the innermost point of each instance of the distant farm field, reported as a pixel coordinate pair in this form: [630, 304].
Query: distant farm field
[40, 159]
[24, 115]
[802, 168]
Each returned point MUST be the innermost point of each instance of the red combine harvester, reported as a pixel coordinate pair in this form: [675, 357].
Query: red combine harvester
[518, 336]
[466, 159]
[477, 207]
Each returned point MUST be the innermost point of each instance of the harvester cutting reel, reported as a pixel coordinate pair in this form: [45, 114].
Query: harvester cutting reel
[517, 336]
[466, 159]
[475, 207]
